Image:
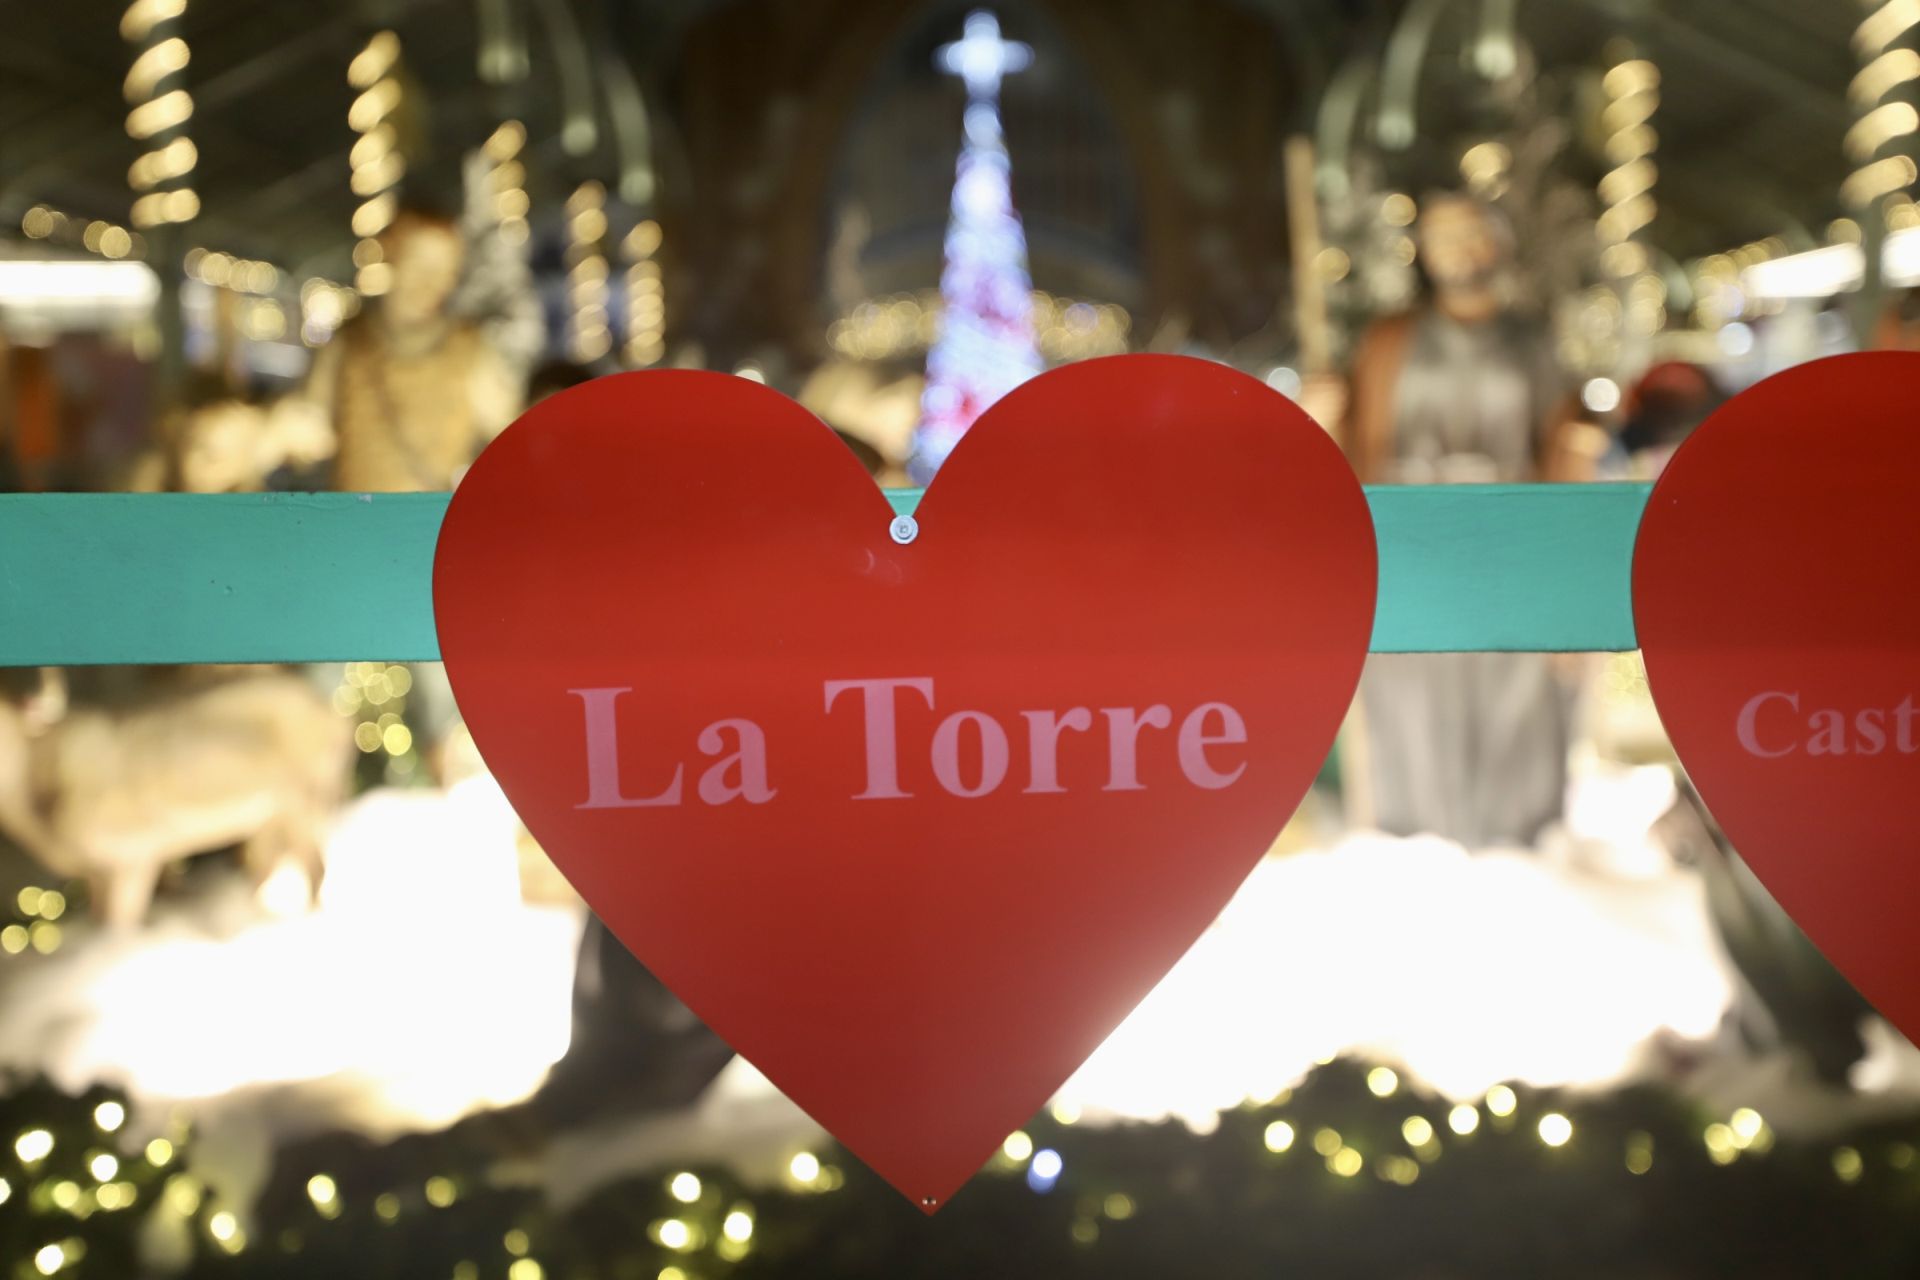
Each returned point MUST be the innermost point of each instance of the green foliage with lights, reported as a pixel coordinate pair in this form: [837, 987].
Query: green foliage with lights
[1351, 1174]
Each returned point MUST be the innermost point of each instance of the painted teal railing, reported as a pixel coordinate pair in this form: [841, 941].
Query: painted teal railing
[131, 578]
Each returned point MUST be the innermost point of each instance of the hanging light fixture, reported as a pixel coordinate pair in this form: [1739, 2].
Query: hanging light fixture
[158, 109]
[588, 337]
[376, 160]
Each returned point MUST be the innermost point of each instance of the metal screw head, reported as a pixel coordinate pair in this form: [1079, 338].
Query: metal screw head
[904, 529]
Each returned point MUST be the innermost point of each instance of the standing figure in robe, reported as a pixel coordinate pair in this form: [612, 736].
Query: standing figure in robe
[413, 389]
[1471, 746]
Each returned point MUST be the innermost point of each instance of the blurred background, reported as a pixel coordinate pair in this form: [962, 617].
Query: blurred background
[285, 989]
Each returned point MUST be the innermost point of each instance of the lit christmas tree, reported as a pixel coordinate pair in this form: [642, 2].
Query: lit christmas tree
[985, 345]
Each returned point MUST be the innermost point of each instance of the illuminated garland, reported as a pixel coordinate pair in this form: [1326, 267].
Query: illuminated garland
[158, 108]
[376, 159]
[1349, 1174]
[905, 324]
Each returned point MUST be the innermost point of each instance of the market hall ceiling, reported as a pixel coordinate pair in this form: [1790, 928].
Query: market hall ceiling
[707, 96]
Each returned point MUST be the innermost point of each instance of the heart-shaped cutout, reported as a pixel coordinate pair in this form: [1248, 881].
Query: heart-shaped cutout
[1776, 592]
[912, 825]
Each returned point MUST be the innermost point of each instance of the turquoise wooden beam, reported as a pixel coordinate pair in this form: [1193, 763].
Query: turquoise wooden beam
[161, 578]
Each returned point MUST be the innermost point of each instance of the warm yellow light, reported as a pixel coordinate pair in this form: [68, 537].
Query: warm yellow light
[143, 16]
[1891, 69]
[1623, 219]
[1879, 127]
[6, 1191]
[386, 1205]
[1631, 144]
[1118, 1207]
[1279, 1136]
[159, 1152]
[505, 142]
[1746, 1124]
[1018, 1145]
[1501, 1100]
[674, 1234]
[103, 1167]
[65, 1194]
[180, 206]
[49, 1259]
[587, 226]
[1417, 1130]
[33, 1146]
[440, 1192]
[643, 241]
[804, 1167]
[1484, 161]
[1884, 25]
[173, 160]
[1847, 1164]
[371, 218]
[153, 66]
[1555, 1129]
[373, 105]
[511, 203]
[525, 1269]
[1381, 1082]
[172, 108]
[1327, 1141]
[149, 210]
[1346, 1162]
[684, 1187]
[109, 1116]
[737, 1227]
[374, 61]
[1628, 181]
[1634, 76]
[374, 145]
[516, 1242]
[1463, 1119]
[1629, 112]
[1867, 184]
[223, 1226]
[322, 1190]
[372, 179]
[183, 1195]
[588, 195]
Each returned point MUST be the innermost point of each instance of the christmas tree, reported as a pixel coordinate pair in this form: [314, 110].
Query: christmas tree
[985, 346]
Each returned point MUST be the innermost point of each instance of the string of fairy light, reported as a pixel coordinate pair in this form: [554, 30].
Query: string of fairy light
[77, 1162]
[588, 334]
[95, 235]
[376, 161]
[507, 180]
[1883, 120]
[158, 108]
[646, 296]
[1631, 87]
[906, 323]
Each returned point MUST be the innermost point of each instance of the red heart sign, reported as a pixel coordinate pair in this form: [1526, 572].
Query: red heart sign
[911, 824]
[1776, 591]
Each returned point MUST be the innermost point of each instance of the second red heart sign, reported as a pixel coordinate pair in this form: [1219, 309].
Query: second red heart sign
[1776, 591]
[911, 816]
